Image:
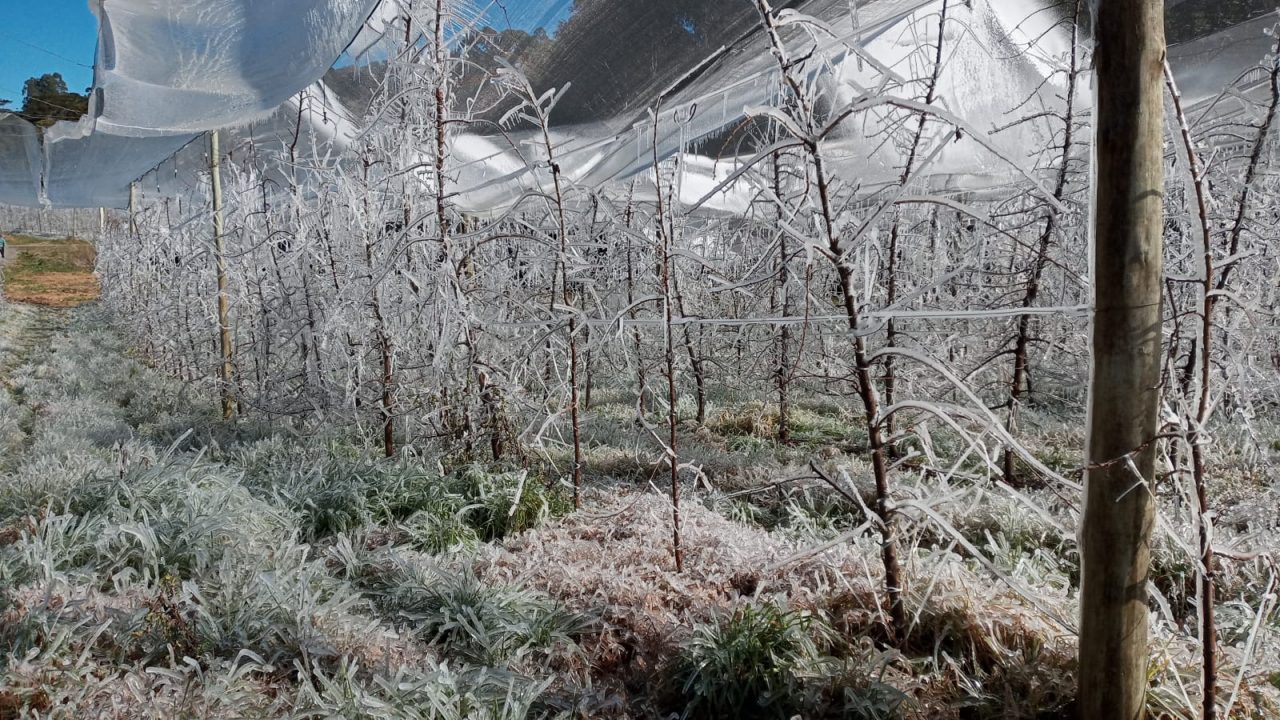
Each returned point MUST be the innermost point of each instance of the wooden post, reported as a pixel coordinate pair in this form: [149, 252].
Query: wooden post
[133, 209]
[1125, 384]
[220, 250]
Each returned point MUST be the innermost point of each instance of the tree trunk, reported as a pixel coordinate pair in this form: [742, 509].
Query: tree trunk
[642, 392]
[781, 306]
[1124, 393]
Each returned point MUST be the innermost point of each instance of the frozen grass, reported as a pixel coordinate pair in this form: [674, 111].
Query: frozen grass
[156, 562]
[14, 323]
[966, 628]
[142, 577]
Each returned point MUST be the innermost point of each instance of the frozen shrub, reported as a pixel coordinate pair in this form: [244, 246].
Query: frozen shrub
[61, 547]
[480, 624]
[754, 664]
[436, 692]
[282, 606]
[435, 532]
[501, 504]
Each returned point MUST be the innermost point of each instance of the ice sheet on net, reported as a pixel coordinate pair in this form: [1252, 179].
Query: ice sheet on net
[1003, 76]
[694, 177]
[999, 56]
[87, 168]
[19, 161]
[187, 66]
[294, 145]
[1206, 66]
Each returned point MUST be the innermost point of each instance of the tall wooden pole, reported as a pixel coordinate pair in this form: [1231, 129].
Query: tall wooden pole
[133, 209]
[220, 255]
[1125, 384]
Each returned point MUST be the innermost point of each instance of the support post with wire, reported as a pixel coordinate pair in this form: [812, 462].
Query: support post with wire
[1124, 394]
[133, 210]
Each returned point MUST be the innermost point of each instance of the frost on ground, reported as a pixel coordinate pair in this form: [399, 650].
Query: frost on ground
[158, 562]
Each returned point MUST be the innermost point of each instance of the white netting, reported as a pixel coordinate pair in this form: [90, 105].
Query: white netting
[168, 70]
[1208, 65]
[84, 168]
[187, 66]
[19, 161]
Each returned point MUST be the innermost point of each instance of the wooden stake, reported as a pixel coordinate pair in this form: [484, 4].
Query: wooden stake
[133, 209]
[1125, 384]
[220, 255]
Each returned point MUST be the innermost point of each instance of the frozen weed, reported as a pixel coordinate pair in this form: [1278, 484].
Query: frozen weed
[754, 664]
[434, 692]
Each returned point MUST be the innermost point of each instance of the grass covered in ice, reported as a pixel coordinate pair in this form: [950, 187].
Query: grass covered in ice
[149, 571]
[156, 561]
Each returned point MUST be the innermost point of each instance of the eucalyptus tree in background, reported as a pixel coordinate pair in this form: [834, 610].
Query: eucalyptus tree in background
[1125, 383]
[46, 100]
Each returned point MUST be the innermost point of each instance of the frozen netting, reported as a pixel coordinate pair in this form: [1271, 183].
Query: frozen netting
[307, 133]
[87, 168]
[1002, 63]
[187, 66]
[640, 83]
[1207, 65]
[19, 161]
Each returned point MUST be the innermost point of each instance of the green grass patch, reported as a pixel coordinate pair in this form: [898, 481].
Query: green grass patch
[766, 661]
[31, 263]
[807, 427]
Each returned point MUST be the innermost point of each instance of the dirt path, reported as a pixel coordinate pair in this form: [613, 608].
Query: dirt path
[39, 331]
[52, 273]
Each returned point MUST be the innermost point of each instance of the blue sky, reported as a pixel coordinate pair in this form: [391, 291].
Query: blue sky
[527, 14]
[40, 36]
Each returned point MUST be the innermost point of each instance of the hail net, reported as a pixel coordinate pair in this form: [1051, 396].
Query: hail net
[635, 90]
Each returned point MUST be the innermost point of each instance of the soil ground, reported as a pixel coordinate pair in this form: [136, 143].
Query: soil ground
[52, 273]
